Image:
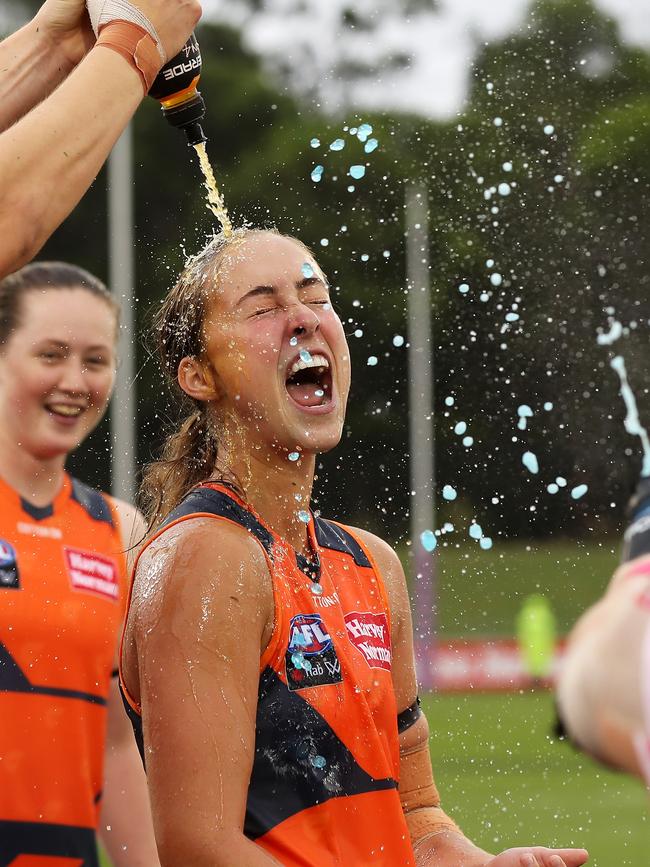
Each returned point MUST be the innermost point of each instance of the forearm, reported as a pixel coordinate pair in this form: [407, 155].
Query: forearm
[449, 849]
[50, 157]
[31, 67]
[126, 828]
[217, 850]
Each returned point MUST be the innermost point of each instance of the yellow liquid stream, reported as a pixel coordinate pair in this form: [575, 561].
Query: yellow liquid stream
[215, 199]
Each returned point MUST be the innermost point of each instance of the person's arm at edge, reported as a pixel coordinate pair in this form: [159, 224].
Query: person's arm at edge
[208, 618]
[36, 58]
[444, 845]
[126, 827]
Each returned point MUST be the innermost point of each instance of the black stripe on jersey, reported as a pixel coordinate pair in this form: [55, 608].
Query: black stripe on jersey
[92, 501]
[13, 679]
[220, 504]
[408, 717]
[335, 538]
[39, 838]
[36, 513]
[299, 760]
[136, 722]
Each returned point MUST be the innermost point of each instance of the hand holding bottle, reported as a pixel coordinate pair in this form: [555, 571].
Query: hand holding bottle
[169, 22]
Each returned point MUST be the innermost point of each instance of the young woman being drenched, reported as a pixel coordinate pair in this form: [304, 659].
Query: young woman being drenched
[267, 660]
[67, 758]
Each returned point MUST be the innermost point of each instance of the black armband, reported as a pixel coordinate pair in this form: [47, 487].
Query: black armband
[408, 717]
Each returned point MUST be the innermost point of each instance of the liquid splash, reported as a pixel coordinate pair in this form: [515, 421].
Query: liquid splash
[215, 203]
[632, 421]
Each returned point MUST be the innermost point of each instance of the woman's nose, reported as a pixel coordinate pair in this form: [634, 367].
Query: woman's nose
[72, 378]
[303, 319]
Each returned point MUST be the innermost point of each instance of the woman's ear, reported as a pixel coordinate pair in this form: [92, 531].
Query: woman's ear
[198, 380]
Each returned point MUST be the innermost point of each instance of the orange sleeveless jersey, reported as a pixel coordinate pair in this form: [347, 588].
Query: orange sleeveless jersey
[323, 789]
[62, 593]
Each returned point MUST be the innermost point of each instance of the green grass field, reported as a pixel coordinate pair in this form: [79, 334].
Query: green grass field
[507, 782]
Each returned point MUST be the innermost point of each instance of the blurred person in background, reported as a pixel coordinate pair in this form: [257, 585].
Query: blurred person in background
[603, 690]
[267, 662]
[67, 754]
[64, 102]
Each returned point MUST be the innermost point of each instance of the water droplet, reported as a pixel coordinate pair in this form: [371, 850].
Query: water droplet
[484, 297]
[358, 332]
[316, 588]
[489, 263]
[524, 411]
[448, 528]
[317, 173]
[315, 143]
[398, 340]
[460, 428]
[364, 257]
[293, 341]
[305, 355]
[498, 121]
[337, 145]
[529, 460]
[371, 145]
[463, 288]
[372, 361]
[324, 242]
[579, 491]
[449, 401]
[561, 482]
[552, 488]
[297, 659]
[319, 392]
[504, 189]
[507, 167]
[549, 129]
[548, 406]
[449, 493]
[558, 179]
[307, 270]
[468, 441]
[496, 279]
[485, 543]
[428, 540]
[365, 129]
[475, 531]
[357, 172]
[303, 516]
[318, 762]
[294, 456]
[512, 317]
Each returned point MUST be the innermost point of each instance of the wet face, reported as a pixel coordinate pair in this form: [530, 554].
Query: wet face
[57, 370]
[277, 347]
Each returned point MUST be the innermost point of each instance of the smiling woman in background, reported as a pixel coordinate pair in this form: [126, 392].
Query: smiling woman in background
[66, 748]
[268, 660]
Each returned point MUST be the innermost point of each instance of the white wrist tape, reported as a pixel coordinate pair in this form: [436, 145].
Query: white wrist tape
[102, 12]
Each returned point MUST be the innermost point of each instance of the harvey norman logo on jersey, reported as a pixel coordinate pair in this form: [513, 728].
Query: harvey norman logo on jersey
[92, 572]
[370, 635]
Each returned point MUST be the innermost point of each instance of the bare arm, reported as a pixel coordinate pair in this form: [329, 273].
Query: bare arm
[49, 157]
[201, 611]
[437, 842]
[126, 828]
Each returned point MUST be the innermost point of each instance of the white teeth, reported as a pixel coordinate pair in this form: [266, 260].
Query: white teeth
[64, 409]
[314, 361]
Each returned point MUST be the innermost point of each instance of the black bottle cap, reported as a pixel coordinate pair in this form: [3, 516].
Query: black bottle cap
[187, 116]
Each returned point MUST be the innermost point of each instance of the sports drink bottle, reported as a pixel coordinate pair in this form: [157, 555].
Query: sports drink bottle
[175, 88]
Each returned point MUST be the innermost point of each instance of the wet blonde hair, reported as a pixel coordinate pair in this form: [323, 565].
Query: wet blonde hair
[189, 455]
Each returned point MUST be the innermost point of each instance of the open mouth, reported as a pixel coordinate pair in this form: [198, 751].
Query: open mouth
[309, 380]
[64, 410]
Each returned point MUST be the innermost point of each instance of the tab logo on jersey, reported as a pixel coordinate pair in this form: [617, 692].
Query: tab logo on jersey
[370, 635]
[311, 658]
[92, 572]
[9, 576]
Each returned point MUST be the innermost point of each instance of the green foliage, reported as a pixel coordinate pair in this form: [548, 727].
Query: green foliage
[567, 250]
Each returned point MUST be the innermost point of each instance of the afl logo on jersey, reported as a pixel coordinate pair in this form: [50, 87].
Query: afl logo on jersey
[311, 658]
[8, 566]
